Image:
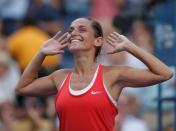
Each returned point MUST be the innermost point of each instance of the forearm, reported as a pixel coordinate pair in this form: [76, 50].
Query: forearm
[31, 71]
[153, 63]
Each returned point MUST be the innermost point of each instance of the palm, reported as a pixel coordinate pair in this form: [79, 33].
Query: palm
[55, 45]
[118, 42]
[51, 47]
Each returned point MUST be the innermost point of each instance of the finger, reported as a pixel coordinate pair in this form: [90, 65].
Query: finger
[68, 36]
[57, 35]
[110, 42]
[123, 37]
[64, 40]
[119, 38]
[64, 45]
[114, 36]
[111, 52]
[111, 39]
[62, 37]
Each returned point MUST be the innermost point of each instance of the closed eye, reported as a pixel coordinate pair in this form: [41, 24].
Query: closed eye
[70, 30]
[81, 29]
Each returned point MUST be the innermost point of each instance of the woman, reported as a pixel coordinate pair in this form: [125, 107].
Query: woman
[86, 94]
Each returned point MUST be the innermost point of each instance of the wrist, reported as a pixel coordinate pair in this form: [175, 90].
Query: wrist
[42, 53]
[129, 47]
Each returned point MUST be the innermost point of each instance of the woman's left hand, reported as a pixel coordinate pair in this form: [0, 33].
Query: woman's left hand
[118, 42]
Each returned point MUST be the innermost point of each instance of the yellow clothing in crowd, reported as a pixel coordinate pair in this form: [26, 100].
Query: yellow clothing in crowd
[28, 125]
[25, 42]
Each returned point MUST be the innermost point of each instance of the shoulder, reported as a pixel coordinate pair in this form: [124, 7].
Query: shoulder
[60, 72]
[59, 76]
[114, 69]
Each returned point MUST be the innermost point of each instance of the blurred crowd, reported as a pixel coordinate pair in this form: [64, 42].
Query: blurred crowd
[26, 24]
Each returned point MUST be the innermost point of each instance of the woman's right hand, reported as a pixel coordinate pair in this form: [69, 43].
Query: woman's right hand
[56, 44]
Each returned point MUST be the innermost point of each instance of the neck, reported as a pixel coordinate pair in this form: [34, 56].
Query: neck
[85, 63]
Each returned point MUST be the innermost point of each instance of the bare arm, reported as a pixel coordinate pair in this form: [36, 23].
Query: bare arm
[29, 83]
[156, 72]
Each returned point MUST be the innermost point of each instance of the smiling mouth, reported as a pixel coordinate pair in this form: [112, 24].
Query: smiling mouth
[75, 40]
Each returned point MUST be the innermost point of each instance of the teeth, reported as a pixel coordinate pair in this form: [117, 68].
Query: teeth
[75, 40]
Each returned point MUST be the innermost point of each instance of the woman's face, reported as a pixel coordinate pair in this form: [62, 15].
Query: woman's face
[3, 69]
[82, 35]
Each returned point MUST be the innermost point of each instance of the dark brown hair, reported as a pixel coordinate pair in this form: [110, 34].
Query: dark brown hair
[98, 32]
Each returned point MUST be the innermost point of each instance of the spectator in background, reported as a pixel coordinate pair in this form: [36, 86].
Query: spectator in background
[153, 3]
[129, 114]
[24, 43]
[169, 127]
[140, 34]
[9, 76]
[7, 116]
[37, 114]
[122, 23]
[142, 37]
[10, 120]
[3, 44]
[11, 13]
[58, 4]
[105, 9]
[48, 16]
[76, 9]
[30, 118]
[9, 71]
[1, 27]
[3, 40]
[136, 7]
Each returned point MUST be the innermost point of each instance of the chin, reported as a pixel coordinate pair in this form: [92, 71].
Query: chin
[74, 49]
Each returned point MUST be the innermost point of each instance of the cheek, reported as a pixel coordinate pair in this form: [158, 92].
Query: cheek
[87, 44]
[90, 40]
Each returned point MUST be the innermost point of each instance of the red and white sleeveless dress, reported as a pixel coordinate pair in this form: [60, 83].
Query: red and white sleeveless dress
[90, 109]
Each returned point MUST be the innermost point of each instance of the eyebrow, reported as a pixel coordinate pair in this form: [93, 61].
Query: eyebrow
[80, 26]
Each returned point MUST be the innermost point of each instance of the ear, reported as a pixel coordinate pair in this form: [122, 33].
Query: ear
[98, 41]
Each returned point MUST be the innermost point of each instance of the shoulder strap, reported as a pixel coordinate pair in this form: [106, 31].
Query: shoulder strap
[100, 73]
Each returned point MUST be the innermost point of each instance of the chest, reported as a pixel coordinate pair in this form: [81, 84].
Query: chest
[80, 82]
[91, 98]
[94, 99]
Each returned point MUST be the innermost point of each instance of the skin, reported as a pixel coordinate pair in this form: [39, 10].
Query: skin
[81, 42]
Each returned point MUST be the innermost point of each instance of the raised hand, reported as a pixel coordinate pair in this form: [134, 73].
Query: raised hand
[56, 44]
[118, 42]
